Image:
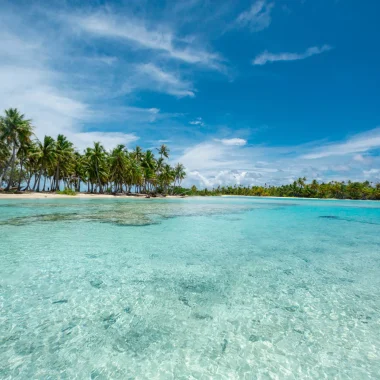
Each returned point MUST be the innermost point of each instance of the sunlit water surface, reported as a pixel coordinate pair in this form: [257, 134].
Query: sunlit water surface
[201, 288]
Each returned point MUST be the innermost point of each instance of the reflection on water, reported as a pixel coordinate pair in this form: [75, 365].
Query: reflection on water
[205, 288]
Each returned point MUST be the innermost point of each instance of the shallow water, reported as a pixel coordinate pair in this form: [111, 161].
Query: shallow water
[200, 288]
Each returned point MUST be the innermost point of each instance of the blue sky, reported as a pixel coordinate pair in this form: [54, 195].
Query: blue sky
[246, 92]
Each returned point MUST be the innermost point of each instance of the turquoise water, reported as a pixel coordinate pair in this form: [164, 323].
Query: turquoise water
[200, 288]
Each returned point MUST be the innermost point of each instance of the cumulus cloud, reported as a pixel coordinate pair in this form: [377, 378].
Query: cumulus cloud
[212, 163]
[257, 17]
[266, 56]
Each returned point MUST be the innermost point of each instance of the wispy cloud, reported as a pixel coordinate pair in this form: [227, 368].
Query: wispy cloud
[159, 80]
[137, 32]
[257, 18]
[198, 121]
[54, 98]
[266, 56]
[233, 141]
[362, 142]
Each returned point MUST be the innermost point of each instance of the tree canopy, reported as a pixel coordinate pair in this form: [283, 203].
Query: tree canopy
[300, 188]
[27, 163]
[50, 164]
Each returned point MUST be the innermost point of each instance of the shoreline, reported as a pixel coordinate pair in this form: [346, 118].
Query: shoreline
[35, 195]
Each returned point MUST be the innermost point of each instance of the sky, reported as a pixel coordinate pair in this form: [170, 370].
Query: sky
[243, 92]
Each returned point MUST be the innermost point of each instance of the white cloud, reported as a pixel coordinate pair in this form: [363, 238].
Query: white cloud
[359, 157]
[362, 142]
[107, 60]
[108, 139]
[234, 141]
[212, 163]
[198, 121]
[258, 17]
[54, 99]
[266, 57]
[136, 32]
[371, 171]
[154, 78]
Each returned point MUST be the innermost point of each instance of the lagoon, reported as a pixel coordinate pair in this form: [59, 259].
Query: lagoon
[221, 288]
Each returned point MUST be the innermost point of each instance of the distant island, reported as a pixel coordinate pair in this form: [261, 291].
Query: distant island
[55, 166]
[300, 189]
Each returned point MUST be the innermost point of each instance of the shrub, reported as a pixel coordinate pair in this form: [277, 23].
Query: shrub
[67, 191]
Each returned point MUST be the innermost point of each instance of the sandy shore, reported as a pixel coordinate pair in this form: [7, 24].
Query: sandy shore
[32, 195]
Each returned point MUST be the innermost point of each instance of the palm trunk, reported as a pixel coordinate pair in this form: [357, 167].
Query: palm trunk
[28, 183]
[97, 175]
[12, 167]
[19, 177]
[39, 180]
[57, 179]
[4, 171]
[44, 182]
[35, 181]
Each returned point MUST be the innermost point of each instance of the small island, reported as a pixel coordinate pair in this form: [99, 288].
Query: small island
[29, 166]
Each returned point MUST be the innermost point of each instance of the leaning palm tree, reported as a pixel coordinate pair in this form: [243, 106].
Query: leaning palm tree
[22, 155]
[31, 162]
[15, 130]
[4, 156]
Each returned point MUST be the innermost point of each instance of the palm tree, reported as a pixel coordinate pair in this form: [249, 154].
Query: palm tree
[15, 130]
[22, 155]
[97, 162]
[4, 156]
[31, 162]
[134, 174]
[64, 153]
[167, 176]
[118, 166]
[148, 164]
[163, 151]
[138, 154]
[79, 172]
[47, 158]
[179, 174]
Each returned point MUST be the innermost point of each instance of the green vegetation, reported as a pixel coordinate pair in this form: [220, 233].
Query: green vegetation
[67, 191]
[48, 165]
[51, 164]
[299, 188]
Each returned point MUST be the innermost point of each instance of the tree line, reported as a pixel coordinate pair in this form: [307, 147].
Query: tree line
[300, 188]
[27, 163]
